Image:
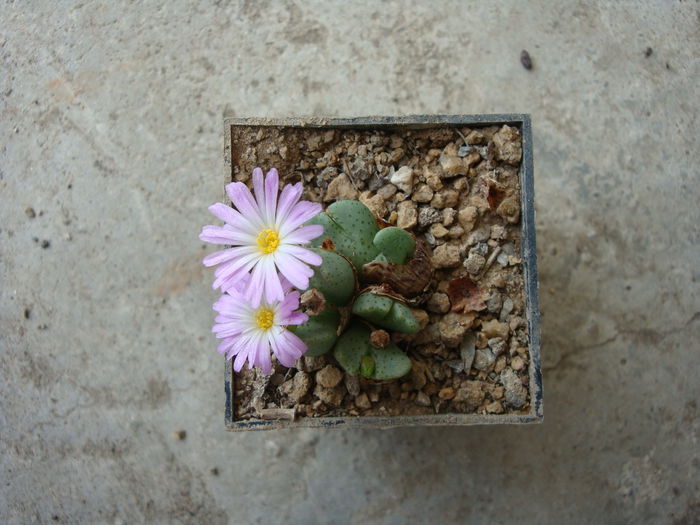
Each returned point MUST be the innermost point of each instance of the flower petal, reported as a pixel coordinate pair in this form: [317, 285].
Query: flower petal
[235, 274]
[256, 286]
[273, 287]
[245, 203]
[272, 186]
[225, 345]
[258, 188]
[287, 306]
[294, 270]
[301, 213]
[291, 194]
[228, 255]
[229, 215]
[241, 356]
[262, 354]
[289, 348]
[215, 235]
[302, 254]
[296, 318]
[304, 235]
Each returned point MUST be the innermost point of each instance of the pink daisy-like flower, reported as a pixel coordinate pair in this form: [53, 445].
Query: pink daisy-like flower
[267, 238]
[250, 332]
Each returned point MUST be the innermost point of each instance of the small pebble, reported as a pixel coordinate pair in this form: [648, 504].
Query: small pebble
[438, 303]
[330, 396]
[456, 364]
[455, 232]
[438, 231]
[446, 393]
[352, 384]
[448, 216]
[506, 309]
[494, 303]
[387, 191]
[297, 387]
[180, 434]
[453, 326]
[422, 399]
[467, 217]
[446, 256]
[407, 215]
[445, 199]
[476, 137]
[422, 193]
[403, 179]
[495, 407]
[484, 359]
[494, 328]
[428, 216]
[474, 263]
[516, 393]
[525, 60]
[29, 212]
[471, 394]
[45, 244]
[498, 232]
[432, 178]
[329, 376]
[517, 363]
[497, 345]
[362, 401]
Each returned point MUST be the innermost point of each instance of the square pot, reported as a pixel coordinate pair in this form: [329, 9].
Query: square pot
[281, 418]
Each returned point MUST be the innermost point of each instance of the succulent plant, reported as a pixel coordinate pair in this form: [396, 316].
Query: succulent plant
[320, 332]
[386, 312]
[357, 253]
[356, 355]
[351, 228]
[395, 244]
[334, 278]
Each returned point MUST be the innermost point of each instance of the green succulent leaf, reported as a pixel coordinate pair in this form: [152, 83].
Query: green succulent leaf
[396, 244]
[372, 307]
[390, 362]
[356, 355]
[352, 345]
[386, 312]
[367, 366]
[334, 278]
[351, 227]
[320, 332]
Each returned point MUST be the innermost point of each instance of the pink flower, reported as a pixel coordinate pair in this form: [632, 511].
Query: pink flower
[266, 236]
[250, 332]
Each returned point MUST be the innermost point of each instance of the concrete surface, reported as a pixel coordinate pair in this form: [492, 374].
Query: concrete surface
[111, 131]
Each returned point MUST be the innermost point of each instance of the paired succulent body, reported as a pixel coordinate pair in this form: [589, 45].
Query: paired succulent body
[356, 254]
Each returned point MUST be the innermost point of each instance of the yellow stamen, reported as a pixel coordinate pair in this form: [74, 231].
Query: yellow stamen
[268, 241]
[265, 318]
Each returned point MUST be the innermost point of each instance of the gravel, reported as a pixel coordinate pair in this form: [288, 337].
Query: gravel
[516, 393]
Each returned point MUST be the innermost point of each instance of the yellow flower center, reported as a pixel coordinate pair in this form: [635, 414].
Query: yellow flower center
[265, 318]
[268, 241]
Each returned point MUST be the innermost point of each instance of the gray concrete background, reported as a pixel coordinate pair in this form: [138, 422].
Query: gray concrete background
[111, 131]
